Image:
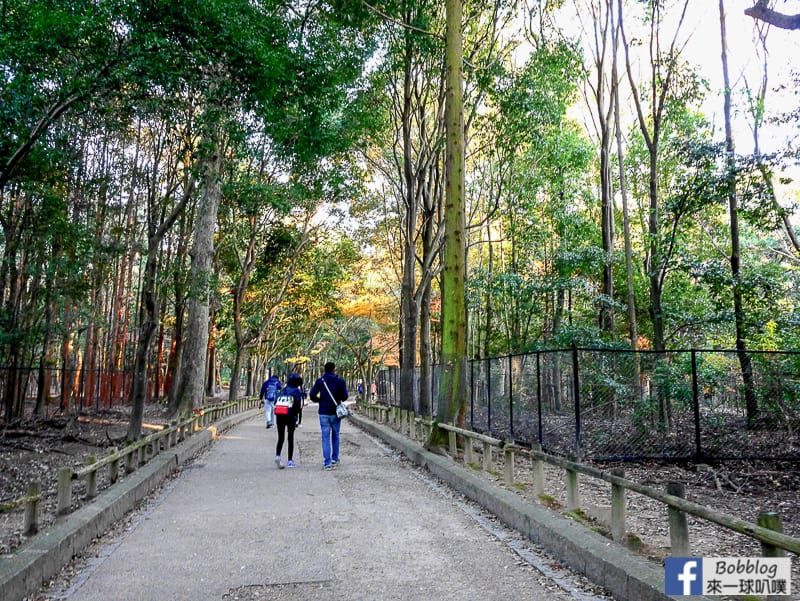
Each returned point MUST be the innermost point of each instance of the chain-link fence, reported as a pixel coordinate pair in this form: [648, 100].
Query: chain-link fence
[618, 404]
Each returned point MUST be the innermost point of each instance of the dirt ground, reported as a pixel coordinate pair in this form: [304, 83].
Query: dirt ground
[34, 450]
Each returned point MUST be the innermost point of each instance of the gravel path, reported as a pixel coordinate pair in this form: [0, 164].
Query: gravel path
[233, 526]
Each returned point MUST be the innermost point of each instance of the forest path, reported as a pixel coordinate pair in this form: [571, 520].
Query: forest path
[233, 526]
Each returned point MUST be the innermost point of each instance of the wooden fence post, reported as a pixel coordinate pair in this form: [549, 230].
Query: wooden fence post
[30, 523]
[678, 526]
[64, 490]
[618, 508]
[91, 478]
[453, 444]
[487, 456]
[113, 468]
[130, 463]
[509, 465]
[771, 520]
[573, 493]
[538, 471]
[469, 456]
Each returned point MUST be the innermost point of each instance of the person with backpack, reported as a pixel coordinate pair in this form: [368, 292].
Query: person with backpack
[268, 394]
[287, 405]
[329, 391]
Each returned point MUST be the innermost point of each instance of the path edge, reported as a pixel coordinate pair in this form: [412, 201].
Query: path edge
[30, 566]
[628, 577]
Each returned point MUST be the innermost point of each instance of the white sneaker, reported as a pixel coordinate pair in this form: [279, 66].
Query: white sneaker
[278, 462]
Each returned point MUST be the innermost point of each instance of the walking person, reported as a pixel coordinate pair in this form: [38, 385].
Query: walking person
[328, 391]
[287, 407]
[305, 395]
[267, 395]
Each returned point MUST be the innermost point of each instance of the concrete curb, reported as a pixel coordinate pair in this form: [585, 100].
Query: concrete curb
[34, 563]
[627, 576]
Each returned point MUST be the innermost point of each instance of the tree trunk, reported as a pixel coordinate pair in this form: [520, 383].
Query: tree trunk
[147, 329]
[176, 353]
[193, 363]
[453, 385]
[425, 353]
[633, 325]
[409, 312]
[751, 404]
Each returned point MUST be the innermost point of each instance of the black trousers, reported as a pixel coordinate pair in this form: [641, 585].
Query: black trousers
[284, 423]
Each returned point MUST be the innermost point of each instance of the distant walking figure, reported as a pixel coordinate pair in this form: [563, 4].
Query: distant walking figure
[326, 391]
[287, 406]
[268, 394]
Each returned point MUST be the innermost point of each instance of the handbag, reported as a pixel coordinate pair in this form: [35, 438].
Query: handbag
[341, 409]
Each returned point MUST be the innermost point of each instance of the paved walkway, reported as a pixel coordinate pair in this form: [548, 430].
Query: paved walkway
[233, 526]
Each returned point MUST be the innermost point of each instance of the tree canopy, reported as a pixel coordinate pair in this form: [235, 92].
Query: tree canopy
[242, 187]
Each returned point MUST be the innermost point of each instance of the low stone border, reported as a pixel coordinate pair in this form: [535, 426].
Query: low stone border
[625, 575]
[30, 566]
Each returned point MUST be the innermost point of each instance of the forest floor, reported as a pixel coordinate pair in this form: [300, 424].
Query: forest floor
[34, 450]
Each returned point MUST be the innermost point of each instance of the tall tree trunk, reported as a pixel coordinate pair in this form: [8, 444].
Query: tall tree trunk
[409, 311]
[431, 202]
[604, 23]
[663, 67]
[452, 403]
[193, 363]
[211, 357]
[751, 404]
[176, 353]
[654, 266]
[147, 328]
[43, 379]
[633, 325]
[633, 322]
[425, 352]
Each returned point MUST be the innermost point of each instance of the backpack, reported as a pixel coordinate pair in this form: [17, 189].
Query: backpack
[272, 391]
[284, 404]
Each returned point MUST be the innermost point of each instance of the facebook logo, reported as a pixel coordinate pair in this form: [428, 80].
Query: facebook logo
[683, 576]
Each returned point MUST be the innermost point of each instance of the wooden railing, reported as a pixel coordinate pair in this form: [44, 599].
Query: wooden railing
[768, 529]
[132, 456]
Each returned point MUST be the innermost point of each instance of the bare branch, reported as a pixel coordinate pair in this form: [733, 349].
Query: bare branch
[762, 12]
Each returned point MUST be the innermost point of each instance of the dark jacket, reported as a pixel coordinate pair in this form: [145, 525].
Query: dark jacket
[271, 381]
[319, 394]
[298, 395]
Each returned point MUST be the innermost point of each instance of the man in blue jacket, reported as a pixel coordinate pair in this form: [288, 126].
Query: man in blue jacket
[329, 391]
[268, 394]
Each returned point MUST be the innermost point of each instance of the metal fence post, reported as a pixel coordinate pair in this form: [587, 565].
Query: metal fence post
[539, 395]
[698, 449]
[488, 396]
[510, 397]
[472, 395]
[576, 383]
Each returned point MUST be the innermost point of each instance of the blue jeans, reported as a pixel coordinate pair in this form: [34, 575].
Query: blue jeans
[269, 412]
[330, 424]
